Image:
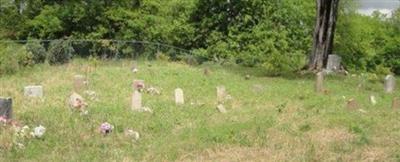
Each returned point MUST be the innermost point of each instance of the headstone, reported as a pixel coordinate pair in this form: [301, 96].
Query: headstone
[334, 63]
[80, 82]
[6, 107]
[396, 104]
[138, 85]
[136, 101]
[221, 94]
[179, 99]
[352, 104]
[33, 91]
[76, 101]
[372, 99]
[319, 84]
[221, 108]
[247, 77]
[390, 84]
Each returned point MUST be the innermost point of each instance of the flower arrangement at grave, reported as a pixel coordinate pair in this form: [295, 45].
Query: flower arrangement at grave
[106, 128]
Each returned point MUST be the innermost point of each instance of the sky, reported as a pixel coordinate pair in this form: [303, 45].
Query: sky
[384, 6]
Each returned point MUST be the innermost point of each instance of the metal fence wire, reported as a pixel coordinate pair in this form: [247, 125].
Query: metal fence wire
[105, 49]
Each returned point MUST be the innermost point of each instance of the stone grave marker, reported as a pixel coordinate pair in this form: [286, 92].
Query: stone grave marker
[80, 82]
[396, 103]
[6, 107]
[319, 83]
[372, 99]
[138, 85]
[33, 91]
[136, 101]
[390, 83]
[334, 63]
[179, 98]
[221, 94]
[221, 109]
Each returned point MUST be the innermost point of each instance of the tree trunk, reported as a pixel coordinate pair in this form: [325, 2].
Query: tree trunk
[323, 33]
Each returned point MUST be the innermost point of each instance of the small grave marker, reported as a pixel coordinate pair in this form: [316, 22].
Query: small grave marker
[319, 83]
[221, 109]
[179, 98]
[221, 94]
[33, 91]
[390, 83]
[372, 99]
[136, 101]
[6, 107]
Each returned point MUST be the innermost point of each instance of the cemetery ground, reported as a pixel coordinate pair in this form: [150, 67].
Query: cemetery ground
[267, 119]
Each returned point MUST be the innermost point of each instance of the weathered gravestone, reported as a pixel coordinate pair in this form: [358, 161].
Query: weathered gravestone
[372, 99]
[33, 91]
[390, 84]
[179, 99]
[6, 107]
[396, 104]
[138, 85]
[80, 82]
[221, 109]
[319, 83]
[334, 63]
[221, 94]
[136, 101]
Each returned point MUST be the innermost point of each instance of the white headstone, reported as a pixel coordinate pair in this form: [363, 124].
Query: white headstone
[136, 101]
[334, 63]
[33, 91]
[319, 83]
[372, 99]
[179, 99]
[390, 83]
[221, 108]
[221, 94]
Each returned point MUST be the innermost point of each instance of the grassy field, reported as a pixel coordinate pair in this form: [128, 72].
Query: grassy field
[268, 119]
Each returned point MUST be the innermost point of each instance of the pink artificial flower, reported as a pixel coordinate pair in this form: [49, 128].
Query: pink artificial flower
[106, 128]
[3, 119]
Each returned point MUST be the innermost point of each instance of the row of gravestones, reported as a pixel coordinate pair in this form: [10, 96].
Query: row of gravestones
[80, 82]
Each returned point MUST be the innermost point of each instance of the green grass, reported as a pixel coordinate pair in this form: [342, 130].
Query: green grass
[269, 118]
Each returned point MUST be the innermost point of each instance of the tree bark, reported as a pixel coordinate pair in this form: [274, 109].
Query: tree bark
[323, 33]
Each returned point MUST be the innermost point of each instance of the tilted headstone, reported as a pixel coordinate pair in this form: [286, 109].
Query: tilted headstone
[221, 94]
[334, 63]
[319, 83]
[179, 98]
[136, 101]
[390, 83]
[6, 107]
[33, 91]
[139, 85]
[80, 82]
[396, 103]
[221, 108]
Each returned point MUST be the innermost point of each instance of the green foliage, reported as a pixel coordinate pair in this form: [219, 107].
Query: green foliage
[13, 58]
[37, 50]
[59, 52]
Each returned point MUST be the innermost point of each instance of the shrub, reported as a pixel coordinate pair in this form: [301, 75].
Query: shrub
[59, 52]
[13, 58]
[37, 50]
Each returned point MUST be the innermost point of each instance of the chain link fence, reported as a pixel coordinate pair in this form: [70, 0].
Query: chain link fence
[105, 49]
